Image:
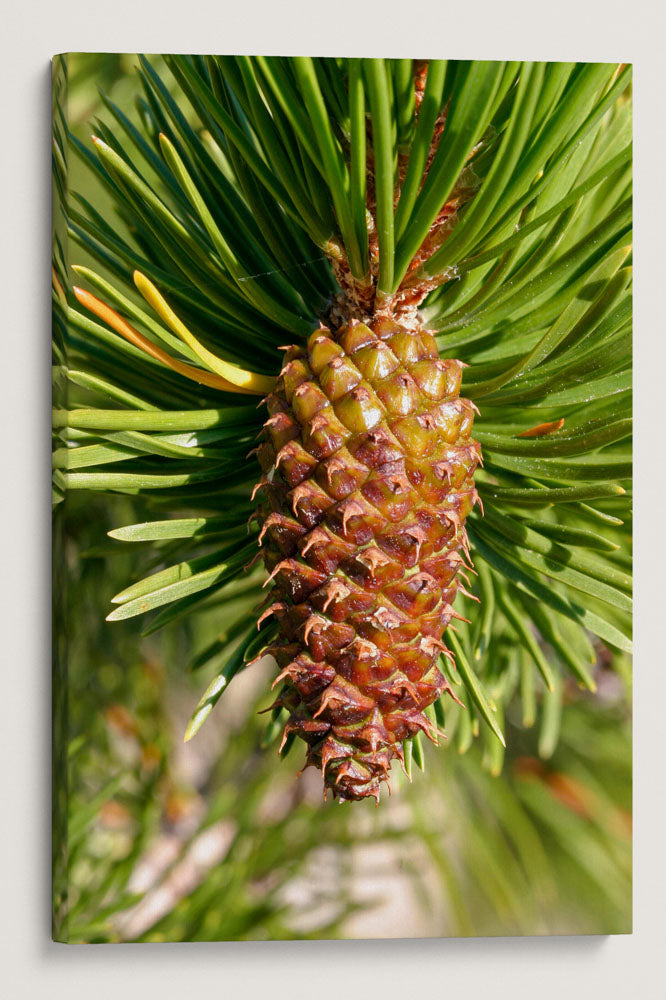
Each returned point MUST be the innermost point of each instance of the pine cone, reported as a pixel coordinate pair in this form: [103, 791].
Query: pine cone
[368, 478]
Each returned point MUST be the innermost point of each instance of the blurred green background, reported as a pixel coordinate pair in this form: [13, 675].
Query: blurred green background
[157, 840]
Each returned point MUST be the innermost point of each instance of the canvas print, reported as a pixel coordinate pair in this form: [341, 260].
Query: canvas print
[342, 497]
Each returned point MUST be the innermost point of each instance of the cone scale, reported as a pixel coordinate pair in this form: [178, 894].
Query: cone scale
[368, 476]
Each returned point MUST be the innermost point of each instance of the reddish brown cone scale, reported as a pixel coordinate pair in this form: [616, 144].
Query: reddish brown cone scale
[368, 478]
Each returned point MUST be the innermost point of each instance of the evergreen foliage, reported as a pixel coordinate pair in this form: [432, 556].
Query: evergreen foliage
[237, 189]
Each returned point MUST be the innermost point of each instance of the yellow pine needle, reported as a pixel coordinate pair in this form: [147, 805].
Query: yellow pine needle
[542, 429]
[244, 380]
[121, 326]
[58, 287]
